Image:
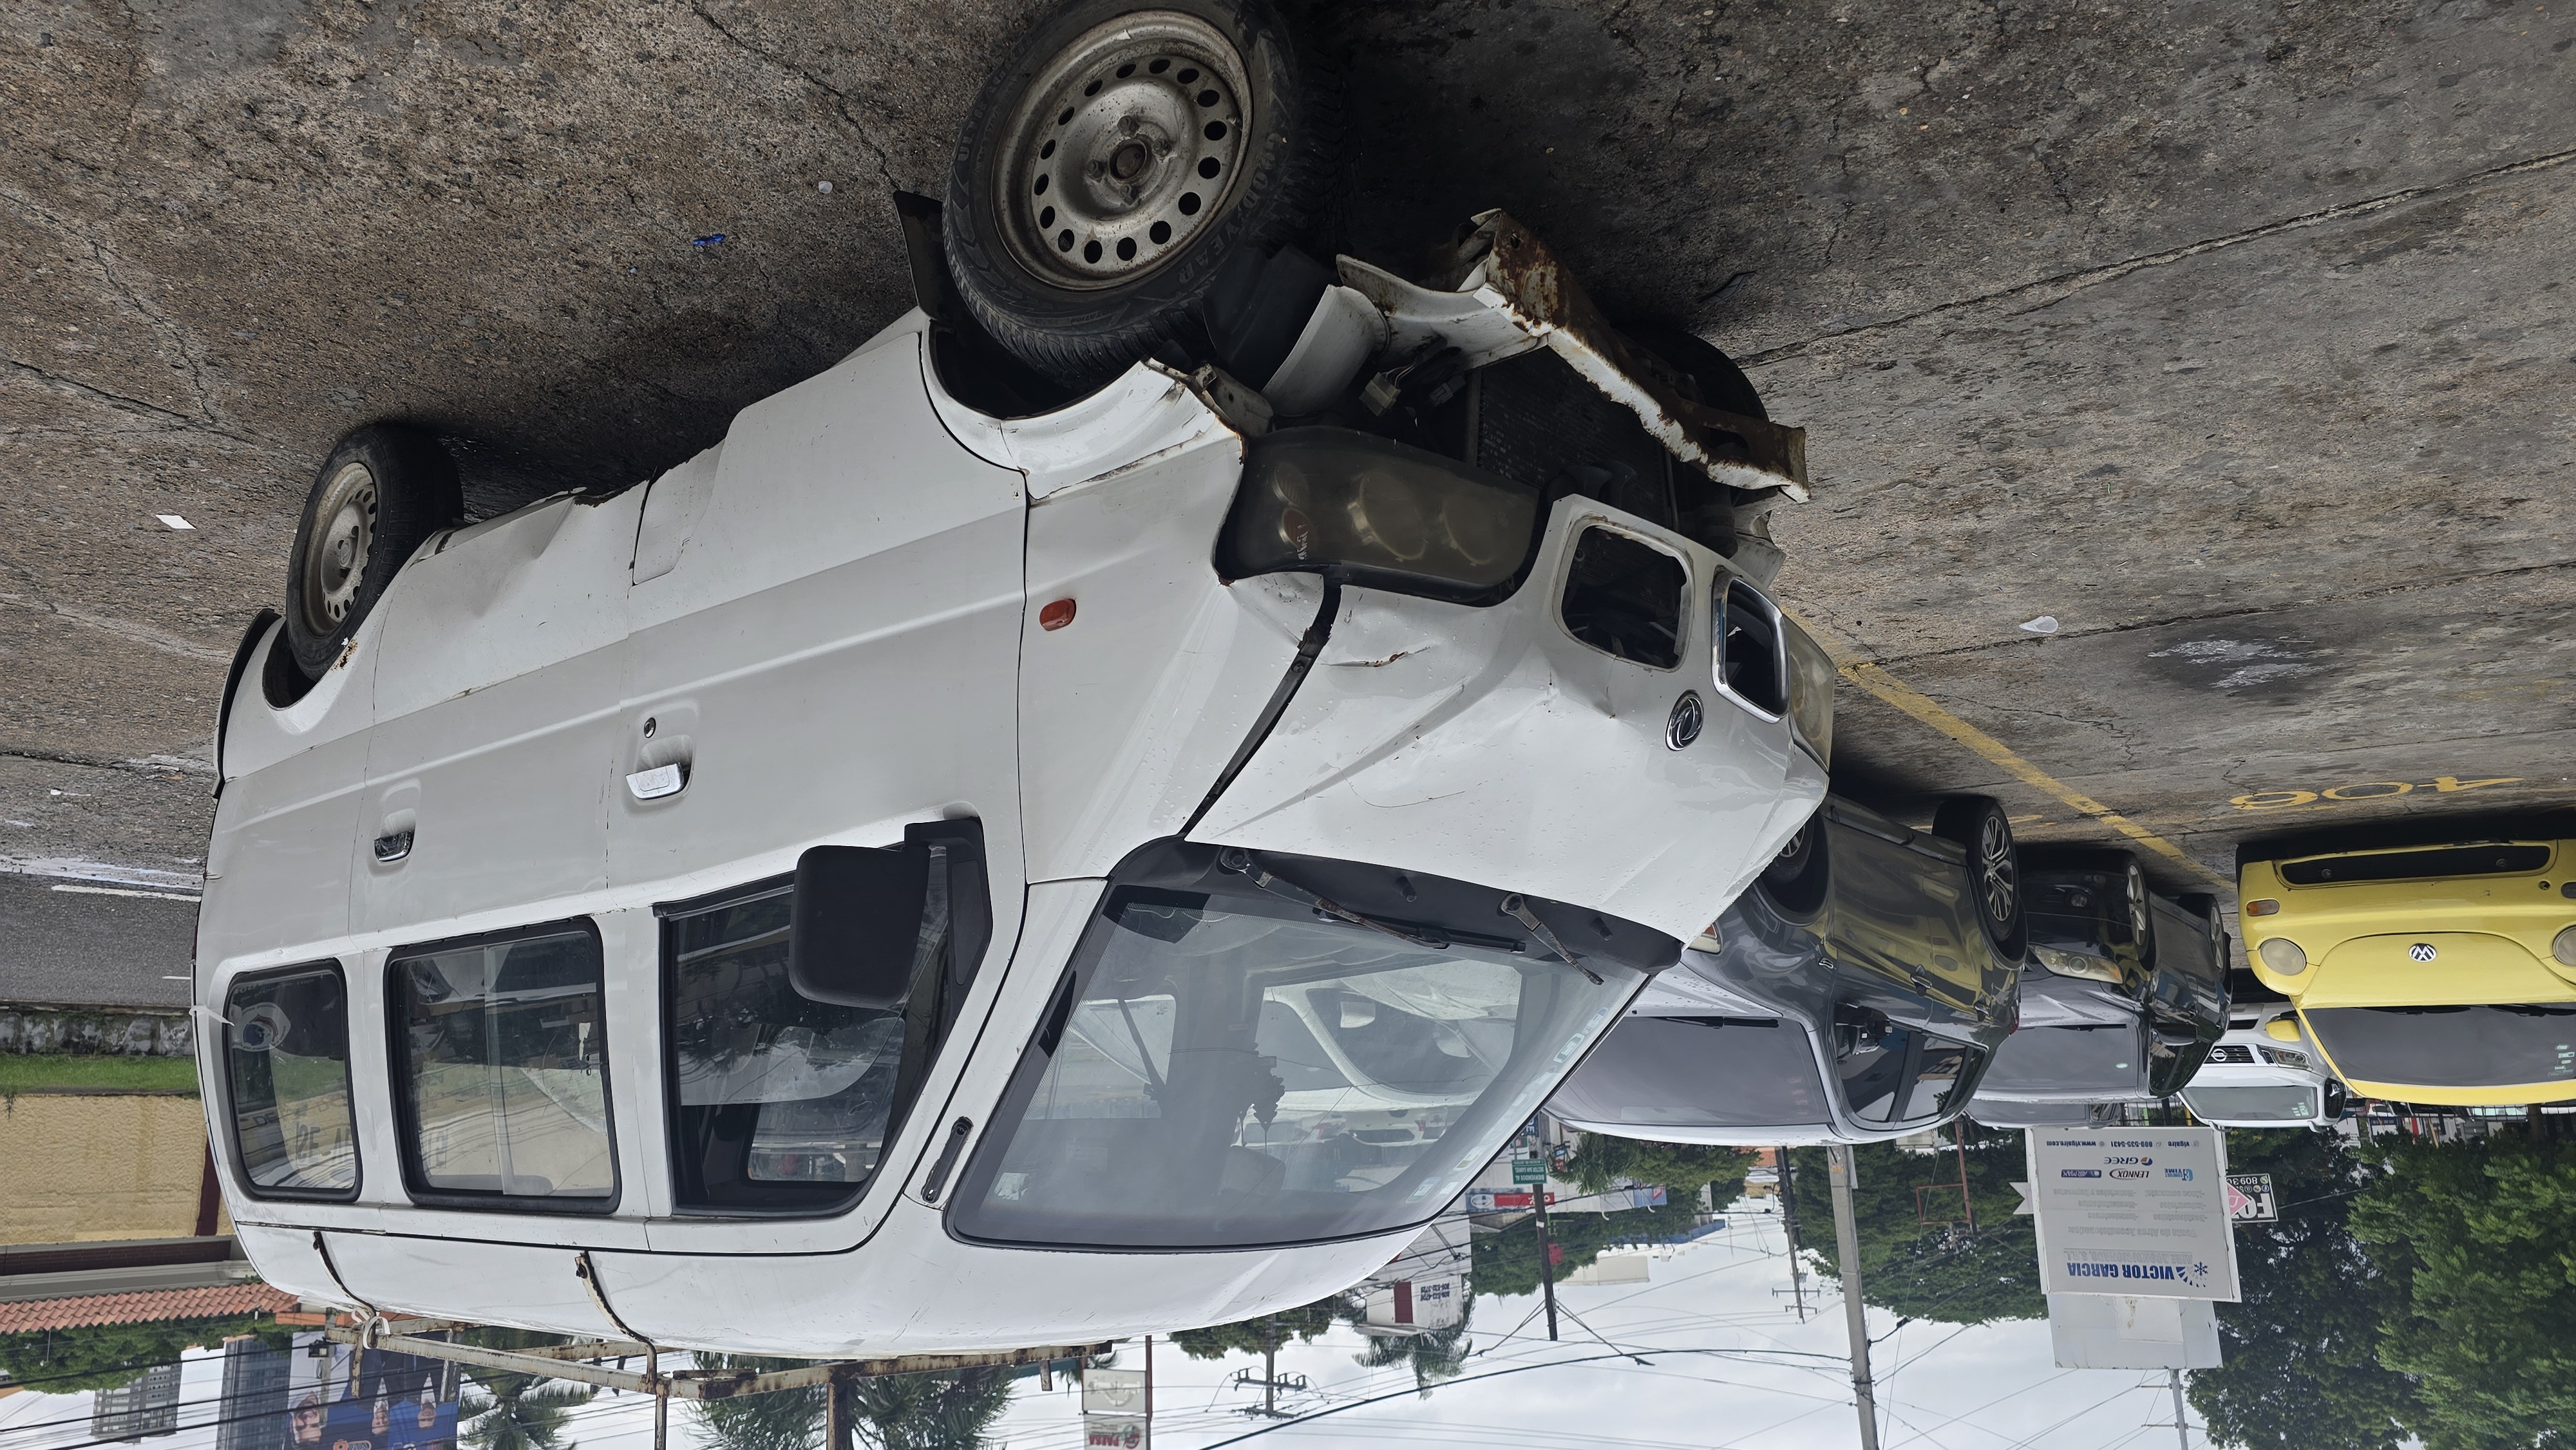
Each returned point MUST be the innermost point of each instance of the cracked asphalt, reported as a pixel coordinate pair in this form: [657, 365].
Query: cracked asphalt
[2233, 337]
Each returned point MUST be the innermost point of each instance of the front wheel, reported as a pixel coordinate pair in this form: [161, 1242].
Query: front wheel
[1797, 879]
[383, 491]
[1994, 872]
[1133, 180]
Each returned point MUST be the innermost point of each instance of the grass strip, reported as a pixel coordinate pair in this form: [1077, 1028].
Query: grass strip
[24, 1072]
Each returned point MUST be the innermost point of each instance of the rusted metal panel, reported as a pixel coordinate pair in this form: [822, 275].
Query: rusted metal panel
[1505, 265]
[572, 1361]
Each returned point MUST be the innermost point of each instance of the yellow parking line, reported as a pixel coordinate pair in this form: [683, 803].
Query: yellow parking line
[1867, 675]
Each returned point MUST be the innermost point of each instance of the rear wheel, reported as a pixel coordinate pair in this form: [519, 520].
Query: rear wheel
[383, 491]
[1133, 180]
[1994, 871]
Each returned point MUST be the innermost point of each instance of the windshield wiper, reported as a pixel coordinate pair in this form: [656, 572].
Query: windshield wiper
[1240, 862]
[1517, 908]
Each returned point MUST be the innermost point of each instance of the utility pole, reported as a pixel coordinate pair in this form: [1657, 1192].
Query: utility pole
[2182, 1426]
[1789, 1218]
[1838, 1157]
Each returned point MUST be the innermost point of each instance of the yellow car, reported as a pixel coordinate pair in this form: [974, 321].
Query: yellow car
[2430, 972]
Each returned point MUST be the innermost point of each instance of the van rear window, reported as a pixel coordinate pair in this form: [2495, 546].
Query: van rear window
[286, 1064]
[501, 1065]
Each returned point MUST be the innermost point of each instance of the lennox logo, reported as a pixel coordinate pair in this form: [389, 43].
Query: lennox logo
[2131, 1173]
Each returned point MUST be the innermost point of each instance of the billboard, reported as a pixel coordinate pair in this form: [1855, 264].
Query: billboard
[2132, 1211]
[341, 1397]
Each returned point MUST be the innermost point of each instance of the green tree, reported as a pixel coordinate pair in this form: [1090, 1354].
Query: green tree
[2300, 1363]
[778, 1420]
[949, 1410]
[107, 1356]
[1434, 1354]
[510, 1411]
[1940, 1271]
[1680, 1169]
[1507, 1262]
[1263, 1335]
[944, 1410]
[2479, 1241]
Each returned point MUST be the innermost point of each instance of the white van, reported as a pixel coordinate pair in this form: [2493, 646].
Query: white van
[915, 878]
[2265, 1074]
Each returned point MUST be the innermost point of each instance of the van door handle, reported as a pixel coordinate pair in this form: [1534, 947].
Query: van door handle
[392, 847]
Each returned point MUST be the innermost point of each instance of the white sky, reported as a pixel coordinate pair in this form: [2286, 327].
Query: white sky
[1759, 1380]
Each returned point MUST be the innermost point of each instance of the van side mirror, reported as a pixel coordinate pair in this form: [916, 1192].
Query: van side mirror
[854, 933]
[864, 916]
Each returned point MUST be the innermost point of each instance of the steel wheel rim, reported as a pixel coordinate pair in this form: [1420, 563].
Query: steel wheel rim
[1997, 883]
[2137, 905]
[344, 535]
[1113, 162]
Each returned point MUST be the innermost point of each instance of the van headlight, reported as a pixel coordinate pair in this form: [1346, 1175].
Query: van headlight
[2283, 955]
[1388, 515]
[2076, 964]
[2564, 947]
[1811, 691]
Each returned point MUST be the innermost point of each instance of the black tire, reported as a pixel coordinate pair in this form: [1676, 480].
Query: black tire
[382, 492]
[1231, 287]
[1797, 879]
[1722, 384]
[2139, 921]
[2213, 921]
[1978, 824]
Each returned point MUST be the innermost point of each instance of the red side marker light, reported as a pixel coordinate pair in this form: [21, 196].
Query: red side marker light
[1056, 615]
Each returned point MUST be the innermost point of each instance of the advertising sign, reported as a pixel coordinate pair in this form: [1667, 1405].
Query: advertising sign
[2130, 1331]
[1504, 1200]
[344, 1398]
[1115, 1412]
[1529, 1170]
[2249, 1198]
[2134, 1211]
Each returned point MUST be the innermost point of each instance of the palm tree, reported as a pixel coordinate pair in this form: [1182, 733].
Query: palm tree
[942, 1411]
[778, 1420]
[1435, 1354]
[945, 1411]
[517, 1411]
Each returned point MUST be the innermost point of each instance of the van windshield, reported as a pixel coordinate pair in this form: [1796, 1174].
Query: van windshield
[1234, 1068]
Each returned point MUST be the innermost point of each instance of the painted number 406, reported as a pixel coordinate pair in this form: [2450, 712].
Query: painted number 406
[2368, 790]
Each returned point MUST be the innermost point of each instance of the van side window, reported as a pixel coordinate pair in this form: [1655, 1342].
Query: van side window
[286, 1068]
[778, 1103]
[501, 1071]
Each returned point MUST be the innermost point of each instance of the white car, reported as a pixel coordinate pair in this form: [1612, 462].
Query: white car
[2265, 1074]
[934, 873]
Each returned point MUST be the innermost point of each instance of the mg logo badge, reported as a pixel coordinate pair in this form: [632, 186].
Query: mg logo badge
[1687, 718]
[2422, 951]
